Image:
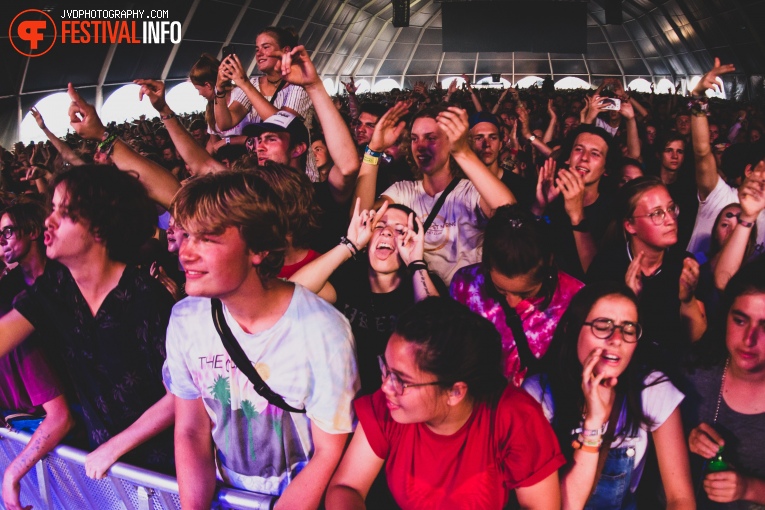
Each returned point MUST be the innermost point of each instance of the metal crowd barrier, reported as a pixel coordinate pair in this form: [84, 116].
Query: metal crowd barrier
[58, 482]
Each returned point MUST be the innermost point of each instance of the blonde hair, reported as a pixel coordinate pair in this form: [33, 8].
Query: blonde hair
[209, 204]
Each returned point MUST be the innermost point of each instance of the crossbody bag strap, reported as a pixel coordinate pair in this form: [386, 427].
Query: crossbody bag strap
[241, 361]
[439, 204]
[282, 84]
[514, 322]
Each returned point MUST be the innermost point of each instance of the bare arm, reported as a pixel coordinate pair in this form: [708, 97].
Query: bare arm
[411, 249]
[66, 152]
[473, 94]
[226, 115]
[523, 116]
[14, 329]
[160, 183]
[232, 69]
[492, 191]
[198, 159]
[154, 420]
[674, 467]
[307, 490]
[544, 495]
[57, 423]
[355, 475]
[387, 131]
[706, 166]
[353, 101]
[633, 139]
[692, 311]
[550, 132]
[298, 69]
[194, 459]
[579, 479]
[572, 187]
[315, 275]
[751, 196]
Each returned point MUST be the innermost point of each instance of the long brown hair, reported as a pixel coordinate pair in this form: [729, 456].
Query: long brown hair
[204, 71]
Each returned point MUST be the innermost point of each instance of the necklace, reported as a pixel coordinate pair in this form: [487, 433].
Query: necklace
[722, 385]
[277, 82]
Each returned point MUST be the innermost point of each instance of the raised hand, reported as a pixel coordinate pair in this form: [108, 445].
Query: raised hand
[452, 87]
[571, 184]
[297, 68]
[689, 279]
[38, 118]
[454, 123]
[412, 245]
[232, 69]
[546, 189]
[626, 109]
[634, 276]
[388, 129]
[751, 195]
[711, 80]
[363, 224]
[155, 91]
[350, 86]
[83, 117]
[598, 391]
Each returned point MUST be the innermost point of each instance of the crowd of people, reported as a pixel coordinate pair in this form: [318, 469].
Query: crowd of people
[456, 299]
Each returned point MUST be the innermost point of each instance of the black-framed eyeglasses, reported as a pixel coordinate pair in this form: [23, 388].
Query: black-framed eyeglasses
[730, 215]
[657, 216]
[8, 231]
[604, 329]
[395, 381]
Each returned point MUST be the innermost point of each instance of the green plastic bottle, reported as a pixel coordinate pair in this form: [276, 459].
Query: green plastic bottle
[718, 463]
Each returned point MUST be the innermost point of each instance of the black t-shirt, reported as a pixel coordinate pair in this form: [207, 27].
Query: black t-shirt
[114, 359]
[685, 194]
[334, 219]
[523, 189]
[598, 215]
[372, 316]
[658, 301]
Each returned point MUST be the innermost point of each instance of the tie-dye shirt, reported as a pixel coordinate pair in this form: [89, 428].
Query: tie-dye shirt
[307, 357]
[469, 287]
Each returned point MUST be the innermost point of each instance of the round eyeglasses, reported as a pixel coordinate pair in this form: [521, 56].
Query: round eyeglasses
[657, 216]
[8, 231]
[395, 381]
[604, 329]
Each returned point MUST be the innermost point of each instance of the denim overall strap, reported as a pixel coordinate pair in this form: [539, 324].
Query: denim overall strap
[613, 489]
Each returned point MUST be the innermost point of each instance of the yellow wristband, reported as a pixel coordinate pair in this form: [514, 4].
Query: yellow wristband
[371, 160]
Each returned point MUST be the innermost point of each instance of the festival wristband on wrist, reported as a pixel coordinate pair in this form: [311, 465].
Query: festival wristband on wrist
[106, 146]
[168, 116]
[351, 247]
[745, 224]
[371, 157]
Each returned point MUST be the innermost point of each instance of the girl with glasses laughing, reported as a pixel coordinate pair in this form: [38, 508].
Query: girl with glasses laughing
[604, 403]
[448, 428]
